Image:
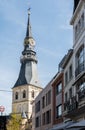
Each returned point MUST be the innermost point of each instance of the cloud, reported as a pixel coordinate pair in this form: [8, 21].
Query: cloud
[48, 52]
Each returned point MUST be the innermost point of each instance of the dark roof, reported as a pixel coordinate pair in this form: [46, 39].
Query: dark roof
[21, 80]
[28, 33]
[28, 73]
[75, 4]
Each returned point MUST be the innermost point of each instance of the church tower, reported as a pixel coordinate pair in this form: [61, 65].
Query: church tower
[27, 86]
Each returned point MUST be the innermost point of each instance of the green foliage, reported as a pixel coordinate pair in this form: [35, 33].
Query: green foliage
[14, 122]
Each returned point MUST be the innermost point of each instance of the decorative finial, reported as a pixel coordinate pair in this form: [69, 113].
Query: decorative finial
[29, 11]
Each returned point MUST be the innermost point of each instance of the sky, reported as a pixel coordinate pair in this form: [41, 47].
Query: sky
[51, 29]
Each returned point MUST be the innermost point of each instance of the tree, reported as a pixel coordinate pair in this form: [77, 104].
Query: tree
[14, 122]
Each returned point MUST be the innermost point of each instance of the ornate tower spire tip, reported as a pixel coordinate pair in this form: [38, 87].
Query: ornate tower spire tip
[29, 11]
[29, 39]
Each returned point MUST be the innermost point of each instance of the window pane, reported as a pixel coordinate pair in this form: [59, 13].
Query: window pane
[37, 107]
[58, 88]
[16, 95]
[33, 94]
[66, 97]
[80, 60]
[24, 94]
[43, 101]
[66, 78]
[58, 111]
[70, 92]
[70, 72]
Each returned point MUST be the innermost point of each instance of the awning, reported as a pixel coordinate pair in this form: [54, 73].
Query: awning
[74, 129]
[80, 124]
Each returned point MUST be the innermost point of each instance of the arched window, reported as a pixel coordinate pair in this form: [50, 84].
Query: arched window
[16, 95]
[33, 94]
[24, 94]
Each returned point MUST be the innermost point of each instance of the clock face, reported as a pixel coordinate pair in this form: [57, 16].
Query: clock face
[31, 42]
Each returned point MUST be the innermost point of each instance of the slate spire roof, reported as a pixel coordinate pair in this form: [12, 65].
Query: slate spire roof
[28, 71]
[29, 33]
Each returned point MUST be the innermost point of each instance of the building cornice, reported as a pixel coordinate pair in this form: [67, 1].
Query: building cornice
[22, 86]
[57, 76]
[66, 59]
[76, 11]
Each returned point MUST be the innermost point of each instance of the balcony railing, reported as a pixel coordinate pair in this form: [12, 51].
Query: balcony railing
[79, 69]
[71, 104]
[81, 93]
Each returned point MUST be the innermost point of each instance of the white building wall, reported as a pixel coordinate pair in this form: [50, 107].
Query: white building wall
[70, 82]
[24, 104]
[80, 40]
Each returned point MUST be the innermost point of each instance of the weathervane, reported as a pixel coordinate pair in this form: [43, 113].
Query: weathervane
[29, 11]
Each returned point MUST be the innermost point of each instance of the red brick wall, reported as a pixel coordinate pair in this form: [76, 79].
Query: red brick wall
[56, 82]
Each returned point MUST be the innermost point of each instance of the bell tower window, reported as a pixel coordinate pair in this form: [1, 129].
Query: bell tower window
[16, 95]
[33, 94]
[24, 94]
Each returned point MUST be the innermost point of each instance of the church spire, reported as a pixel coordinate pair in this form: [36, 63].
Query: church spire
[27, 83]
[29, 41]
[28, 33]
[28, 72]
